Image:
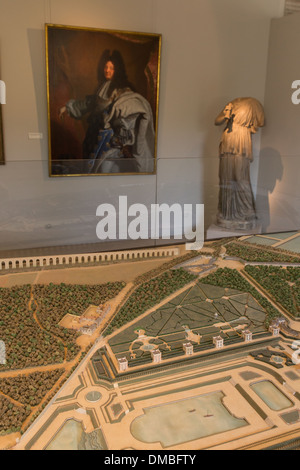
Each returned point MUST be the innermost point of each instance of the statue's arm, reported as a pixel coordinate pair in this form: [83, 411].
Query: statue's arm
[220, 119]
[224, 115]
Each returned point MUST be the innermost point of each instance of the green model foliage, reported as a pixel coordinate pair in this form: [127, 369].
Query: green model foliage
[20, 394]
[26, 343]
[231, 278]
[165, 267]
[30, 329]
[30, 389]
[282, 283]
[149, 294]
[29, 317]
[12, 416]
[56, 300]
[250, 253]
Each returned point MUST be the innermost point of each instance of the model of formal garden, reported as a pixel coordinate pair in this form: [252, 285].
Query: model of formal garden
[231, 299]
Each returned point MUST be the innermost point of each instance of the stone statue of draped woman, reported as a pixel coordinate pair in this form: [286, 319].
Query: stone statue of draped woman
[236, 207]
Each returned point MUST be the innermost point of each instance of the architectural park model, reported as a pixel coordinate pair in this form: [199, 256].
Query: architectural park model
[164, 350]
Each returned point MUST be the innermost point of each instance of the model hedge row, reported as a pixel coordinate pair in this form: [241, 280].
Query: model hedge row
[282, 283]
[262, 253]
[149, 294]
[232, 279]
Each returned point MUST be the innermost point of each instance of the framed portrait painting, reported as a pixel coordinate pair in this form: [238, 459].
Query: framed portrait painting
[103, 94]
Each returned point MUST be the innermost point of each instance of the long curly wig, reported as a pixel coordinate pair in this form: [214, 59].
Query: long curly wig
[120, 79]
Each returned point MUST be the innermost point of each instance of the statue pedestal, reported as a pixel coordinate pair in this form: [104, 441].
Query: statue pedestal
[214, 231]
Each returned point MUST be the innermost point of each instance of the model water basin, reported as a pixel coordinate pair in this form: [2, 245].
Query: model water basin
[278, 359]
[71, 436]
[148, 347]
[68, 437]
[185, 420]
[271, 395]
[93, 396]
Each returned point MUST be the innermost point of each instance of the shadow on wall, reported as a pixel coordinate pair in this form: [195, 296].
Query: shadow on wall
[270, 171]
[210, 165]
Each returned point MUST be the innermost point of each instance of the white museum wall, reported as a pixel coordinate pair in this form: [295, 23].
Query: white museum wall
[278, 192]
[212, 51]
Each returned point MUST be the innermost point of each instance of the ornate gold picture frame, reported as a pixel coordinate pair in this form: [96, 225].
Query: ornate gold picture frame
[103, 95]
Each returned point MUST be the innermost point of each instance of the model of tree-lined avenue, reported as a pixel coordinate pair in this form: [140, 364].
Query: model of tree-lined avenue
[149, 294]
[232, 279]
[260, 253]
[282, 283]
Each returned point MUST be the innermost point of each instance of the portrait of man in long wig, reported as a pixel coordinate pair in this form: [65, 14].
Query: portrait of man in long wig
[103, 92]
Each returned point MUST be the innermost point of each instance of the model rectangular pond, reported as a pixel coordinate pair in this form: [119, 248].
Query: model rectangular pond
[271, 395]
[186, 420]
